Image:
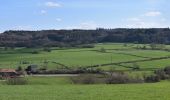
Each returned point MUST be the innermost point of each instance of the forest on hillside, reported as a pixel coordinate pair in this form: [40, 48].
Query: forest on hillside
[71, 38]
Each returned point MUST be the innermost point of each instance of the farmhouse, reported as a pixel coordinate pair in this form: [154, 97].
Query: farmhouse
[8, 73]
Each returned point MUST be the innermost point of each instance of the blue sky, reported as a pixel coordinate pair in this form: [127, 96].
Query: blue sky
[83, 14]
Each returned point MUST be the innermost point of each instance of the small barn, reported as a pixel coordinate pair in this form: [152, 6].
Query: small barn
[8, 73]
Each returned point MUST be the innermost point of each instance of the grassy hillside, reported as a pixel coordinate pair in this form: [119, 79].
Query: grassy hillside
[61, 88]
[76, 57]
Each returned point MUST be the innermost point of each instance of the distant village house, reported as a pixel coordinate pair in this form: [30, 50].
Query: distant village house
[8, 73]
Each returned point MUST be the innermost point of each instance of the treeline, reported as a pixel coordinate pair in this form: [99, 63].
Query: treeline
[64, 38]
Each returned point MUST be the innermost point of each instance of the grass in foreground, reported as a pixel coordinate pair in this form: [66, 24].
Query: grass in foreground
[60, 89]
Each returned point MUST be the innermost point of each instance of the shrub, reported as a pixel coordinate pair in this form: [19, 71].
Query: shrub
[167, 70]
[0, 77]
[152, 78]
[136, 79]
[84, 79]
[110, 78]
[20, 71]
[16, 81]
[116, 78]
[19, 68]
[161, 74]
[122, 78]
[80, 70]
[103, 50]
[144, 47]
[47, 49]
[35, 52]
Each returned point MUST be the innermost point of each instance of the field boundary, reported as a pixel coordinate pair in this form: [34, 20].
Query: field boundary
[127, 62]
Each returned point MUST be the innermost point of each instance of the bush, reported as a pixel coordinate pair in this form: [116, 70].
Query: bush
[161, 74]
[35, 52]
[47, 49]
[167, 70]
[20, 71]
[16, 81]
[122, 78]
[152, 78]
[111, 78]
[1, 77]
[136, 79]
[103, 50]
[116, 78]
[84, 79]
[71, 71]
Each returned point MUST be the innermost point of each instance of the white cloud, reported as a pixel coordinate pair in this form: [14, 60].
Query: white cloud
[52, 4]
[153, 13]
[58, 19]
[84, 25]
[43, 11]
[144, 22]
[133, 19]
[88, 25]
[22, 27]
[152, 19]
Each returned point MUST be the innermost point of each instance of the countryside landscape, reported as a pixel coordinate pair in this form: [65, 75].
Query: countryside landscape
[86, 61]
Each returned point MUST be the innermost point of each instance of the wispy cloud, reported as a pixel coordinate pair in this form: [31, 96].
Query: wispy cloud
[84, 25]
[58, 19]
[145, 23]
[88, 25]
[22, 27]
[152, 19]
[43, 11]
[52, 4]
[153, 13]
[133, 19]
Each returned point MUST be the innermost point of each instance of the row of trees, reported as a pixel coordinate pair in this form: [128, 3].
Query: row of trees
[64, 38]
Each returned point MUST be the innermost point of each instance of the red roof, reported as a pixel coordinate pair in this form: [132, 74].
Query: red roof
[7, 70]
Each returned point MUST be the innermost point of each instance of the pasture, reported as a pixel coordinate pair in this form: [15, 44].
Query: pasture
[59, 88]
[82, 57]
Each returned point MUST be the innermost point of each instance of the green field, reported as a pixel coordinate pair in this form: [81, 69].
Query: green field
[81, 57]
[61, 89]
